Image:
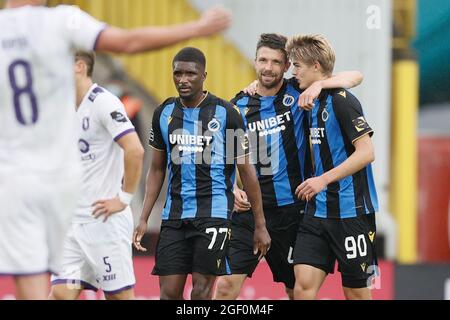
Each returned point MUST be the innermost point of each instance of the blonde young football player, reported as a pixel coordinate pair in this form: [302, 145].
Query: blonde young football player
[339, 222]
[97, 250]
[39, 162]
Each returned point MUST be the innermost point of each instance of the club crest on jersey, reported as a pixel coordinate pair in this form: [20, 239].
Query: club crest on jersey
[118, 116]
[325, 115]
[214, 125]
[288, 100]
[85, 124]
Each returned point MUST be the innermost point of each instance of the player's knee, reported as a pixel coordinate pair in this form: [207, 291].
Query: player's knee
[304, 290]
[167, 293]
[226, 289]
[201, 291]
[56, 294]
[170, 295]
[60, 292]
[298, 290]
[290, 293]
[303, 284]
[357, 294]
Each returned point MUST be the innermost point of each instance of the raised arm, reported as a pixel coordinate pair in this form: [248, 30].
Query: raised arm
[345, 79]
[118, 40]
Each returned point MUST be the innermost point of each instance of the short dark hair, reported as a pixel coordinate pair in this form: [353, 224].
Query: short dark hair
[88, 58]
[190, 54]
[273, 41]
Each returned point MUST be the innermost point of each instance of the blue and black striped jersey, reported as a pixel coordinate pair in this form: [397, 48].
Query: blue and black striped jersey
[336, 122]
[279, 150]
[201, 145]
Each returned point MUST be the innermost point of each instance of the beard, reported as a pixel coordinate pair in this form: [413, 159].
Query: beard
[271, 84]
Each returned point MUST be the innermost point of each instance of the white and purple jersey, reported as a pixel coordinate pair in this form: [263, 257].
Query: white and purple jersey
[37, 89]
[102, 121]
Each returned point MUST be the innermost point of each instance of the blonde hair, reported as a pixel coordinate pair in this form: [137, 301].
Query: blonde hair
[311, 49]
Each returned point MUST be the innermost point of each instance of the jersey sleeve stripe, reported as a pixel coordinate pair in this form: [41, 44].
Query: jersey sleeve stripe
[370, 133]
[124, 134]
[98, 37]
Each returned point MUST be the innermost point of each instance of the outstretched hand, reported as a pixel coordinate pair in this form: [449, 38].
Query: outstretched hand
[215, 20]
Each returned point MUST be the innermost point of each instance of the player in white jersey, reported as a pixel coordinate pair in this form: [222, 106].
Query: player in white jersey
[39, 162]
[97, 253]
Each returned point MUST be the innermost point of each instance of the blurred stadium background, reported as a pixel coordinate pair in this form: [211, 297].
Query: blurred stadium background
[402, 48]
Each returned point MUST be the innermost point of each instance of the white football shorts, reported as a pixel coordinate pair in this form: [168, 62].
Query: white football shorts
[98, 255]
[35, 214]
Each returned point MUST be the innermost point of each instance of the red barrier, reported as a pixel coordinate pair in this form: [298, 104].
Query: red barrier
[260, 287]
[434, 199]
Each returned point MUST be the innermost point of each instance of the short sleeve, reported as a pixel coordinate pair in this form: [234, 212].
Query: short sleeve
[350, 115]
[156, 140]
[235, 100]
[240, 102]
[82, 29]
[112, 115]
[235, 123]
